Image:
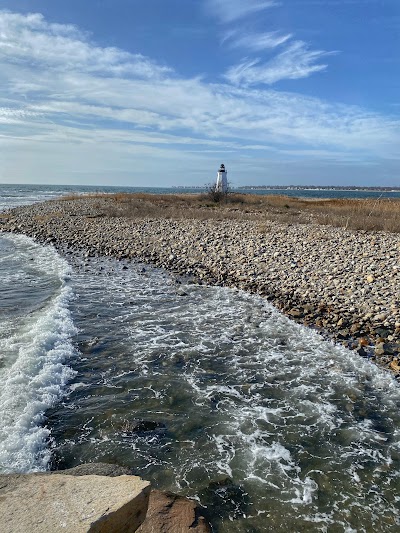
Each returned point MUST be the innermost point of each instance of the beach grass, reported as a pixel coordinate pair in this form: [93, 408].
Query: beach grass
[372, 214]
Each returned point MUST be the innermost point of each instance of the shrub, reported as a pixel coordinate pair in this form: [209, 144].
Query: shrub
[215, 194]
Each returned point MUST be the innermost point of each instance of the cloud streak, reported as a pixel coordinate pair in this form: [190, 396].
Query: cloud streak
[114, 107]
[232, 10]
[256, 42]
[295, 62]
[29, 39]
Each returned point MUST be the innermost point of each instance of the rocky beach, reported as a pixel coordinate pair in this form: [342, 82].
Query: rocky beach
[345, 283]
[142, 335]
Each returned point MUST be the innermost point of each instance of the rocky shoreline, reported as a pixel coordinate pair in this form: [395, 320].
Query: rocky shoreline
[344, 283]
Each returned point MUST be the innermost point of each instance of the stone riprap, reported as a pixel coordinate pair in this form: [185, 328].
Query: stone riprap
[345, 283]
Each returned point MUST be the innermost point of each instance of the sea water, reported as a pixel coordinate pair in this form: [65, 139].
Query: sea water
[36, 332]
[271, 427]
[206, 391]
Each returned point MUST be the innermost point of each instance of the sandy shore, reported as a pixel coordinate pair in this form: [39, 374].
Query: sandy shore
[345, 283]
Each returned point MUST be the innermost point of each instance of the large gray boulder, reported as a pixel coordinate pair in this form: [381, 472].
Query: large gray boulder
[95, 469]
[42, 503]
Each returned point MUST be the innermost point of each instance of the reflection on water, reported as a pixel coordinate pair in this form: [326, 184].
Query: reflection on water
[212, 393]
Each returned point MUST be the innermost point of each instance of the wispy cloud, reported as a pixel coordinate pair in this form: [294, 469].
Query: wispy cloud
[29, 39]
[231, 10]
[296, 61]
[255, 42]
[15, 116]
[122, 109]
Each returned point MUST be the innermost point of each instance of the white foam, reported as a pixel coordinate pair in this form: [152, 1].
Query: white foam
[75, 386]
[267, 402]
[306, 494]
[36, 374]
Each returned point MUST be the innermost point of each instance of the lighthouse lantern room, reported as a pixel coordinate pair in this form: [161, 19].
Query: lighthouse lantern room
[222, 179]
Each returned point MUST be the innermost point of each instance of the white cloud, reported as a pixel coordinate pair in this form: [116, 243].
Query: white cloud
[256, 41]
[231, 10]
[295, 62]
[29, 39]
[13, 116]
[96, 115]
[234, 117]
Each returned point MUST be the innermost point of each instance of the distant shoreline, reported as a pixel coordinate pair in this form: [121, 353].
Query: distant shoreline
[347, 188]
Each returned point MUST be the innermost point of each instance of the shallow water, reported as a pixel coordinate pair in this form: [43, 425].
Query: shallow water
[36, 332]
[265, 423]
[203, 390]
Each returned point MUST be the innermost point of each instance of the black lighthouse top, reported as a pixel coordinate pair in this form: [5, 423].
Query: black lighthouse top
[221, 168]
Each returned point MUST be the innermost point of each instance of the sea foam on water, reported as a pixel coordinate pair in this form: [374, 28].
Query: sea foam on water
[257, 417]
[35, 346]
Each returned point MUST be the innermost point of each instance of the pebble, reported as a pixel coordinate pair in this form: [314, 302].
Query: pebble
[318, 275]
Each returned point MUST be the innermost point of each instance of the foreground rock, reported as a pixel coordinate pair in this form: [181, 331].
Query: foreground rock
[39, 503]
[95, 469]
[170, 513]
[345, 283]
[167, 512]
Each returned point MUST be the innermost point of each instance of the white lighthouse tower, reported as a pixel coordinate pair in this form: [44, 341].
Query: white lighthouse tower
[222, 180]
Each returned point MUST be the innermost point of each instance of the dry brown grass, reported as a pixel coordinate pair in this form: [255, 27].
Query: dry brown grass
[374, 214]
[366, 214]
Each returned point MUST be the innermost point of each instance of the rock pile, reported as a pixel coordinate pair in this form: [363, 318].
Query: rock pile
[345, 283]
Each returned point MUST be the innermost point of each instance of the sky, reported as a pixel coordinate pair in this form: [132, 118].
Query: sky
[159, 93]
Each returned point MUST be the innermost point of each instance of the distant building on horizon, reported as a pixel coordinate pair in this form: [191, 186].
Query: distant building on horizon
[222, 179]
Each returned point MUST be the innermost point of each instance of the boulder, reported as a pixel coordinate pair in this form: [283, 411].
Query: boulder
[40, 503]
[170, 513]
[96, 469]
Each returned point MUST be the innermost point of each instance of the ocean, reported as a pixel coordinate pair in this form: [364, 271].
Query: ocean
[13, 195]
[205, 391]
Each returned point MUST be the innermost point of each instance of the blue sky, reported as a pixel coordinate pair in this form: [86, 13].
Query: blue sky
[160, 92]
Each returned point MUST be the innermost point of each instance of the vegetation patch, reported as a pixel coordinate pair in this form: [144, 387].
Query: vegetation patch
[377, 214]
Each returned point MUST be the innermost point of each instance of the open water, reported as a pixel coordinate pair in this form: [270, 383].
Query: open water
[203, 390]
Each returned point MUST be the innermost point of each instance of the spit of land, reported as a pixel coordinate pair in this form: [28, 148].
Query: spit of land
[333, 265]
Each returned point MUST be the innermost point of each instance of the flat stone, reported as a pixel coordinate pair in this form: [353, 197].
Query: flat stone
[355, 328]
[394, 365]
[379, 349]
[41, 503]
[343, 333]
[296, 313]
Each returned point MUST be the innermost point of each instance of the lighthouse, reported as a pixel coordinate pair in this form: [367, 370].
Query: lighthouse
[222, 180]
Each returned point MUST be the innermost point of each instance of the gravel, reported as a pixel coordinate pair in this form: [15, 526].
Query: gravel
[344, 283]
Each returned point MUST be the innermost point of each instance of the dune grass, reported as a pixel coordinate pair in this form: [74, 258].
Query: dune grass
[375, 214]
